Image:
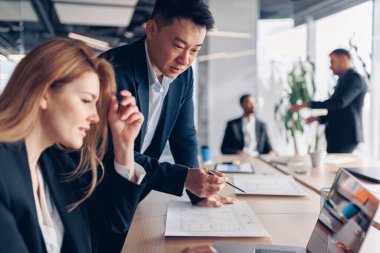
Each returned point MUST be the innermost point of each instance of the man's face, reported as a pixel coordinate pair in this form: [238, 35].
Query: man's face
[249, 105]
[172, 49]
[338, 63]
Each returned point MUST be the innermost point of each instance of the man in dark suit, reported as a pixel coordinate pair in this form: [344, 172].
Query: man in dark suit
[157, 71]
[344, 129]
[246, 135]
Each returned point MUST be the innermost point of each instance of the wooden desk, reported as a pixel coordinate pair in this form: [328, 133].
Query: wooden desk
[289, 220]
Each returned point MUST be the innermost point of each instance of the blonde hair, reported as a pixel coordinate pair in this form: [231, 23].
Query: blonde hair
[52, 65]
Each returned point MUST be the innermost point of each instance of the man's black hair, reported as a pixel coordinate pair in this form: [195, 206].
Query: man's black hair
[340, 52]
[165, 11]
[242, 98]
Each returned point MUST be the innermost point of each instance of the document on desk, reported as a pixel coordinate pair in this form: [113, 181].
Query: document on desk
[268, 185]
[185, 219]
[336, 159]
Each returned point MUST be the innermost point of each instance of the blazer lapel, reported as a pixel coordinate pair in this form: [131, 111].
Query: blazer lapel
[63, 195]
[23, 177]
[258, 135]
[239, 129]
[142, 85]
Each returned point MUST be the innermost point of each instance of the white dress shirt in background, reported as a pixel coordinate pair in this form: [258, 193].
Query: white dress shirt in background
[249, 132]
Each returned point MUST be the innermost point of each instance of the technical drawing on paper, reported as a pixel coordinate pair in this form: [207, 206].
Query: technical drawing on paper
[184, 219]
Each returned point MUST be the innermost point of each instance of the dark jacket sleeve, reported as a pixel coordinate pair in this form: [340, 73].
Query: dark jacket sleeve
[112, 205]
[343, 97]
[168, 178]
[267, 145]
[228, 138]
[183, 141]
[10, 239]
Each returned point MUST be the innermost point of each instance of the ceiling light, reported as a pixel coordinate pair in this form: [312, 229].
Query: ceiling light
[16, 57]
[94, 43]
[217, 33]
[225, 55]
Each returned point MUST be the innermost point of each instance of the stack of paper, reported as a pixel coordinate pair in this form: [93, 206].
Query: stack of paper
[268, 185]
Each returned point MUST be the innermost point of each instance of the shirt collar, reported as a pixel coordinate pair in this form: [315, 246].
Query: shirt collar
[245, 119]
[152, 78]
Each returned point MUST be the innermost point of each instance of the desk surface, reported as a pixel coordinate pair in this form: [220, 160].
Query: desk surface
[289, 220]
[316, 178]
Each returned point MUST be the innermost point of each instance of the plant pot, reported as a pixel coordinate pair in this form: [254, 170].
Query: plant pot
[317, 158]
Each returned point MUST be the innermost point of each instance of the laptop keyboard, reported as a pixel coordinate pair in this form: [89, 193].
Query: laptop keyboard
[272, 251]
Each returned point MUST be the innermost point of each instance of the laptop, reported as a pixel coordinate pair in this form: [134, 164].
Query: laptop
[370, 174]
[342, 224]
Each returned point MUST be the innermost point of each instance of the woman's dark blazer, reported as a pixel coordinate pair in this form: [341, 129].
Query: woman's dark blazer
[86, 228]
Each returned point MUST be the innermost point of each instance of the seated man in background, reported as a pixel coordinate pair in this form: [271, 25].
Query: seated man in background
[246, 135]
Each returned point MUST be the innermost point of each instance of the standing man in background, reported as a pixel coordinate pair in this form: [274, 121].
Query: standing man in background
[246, 135]
[344, 127]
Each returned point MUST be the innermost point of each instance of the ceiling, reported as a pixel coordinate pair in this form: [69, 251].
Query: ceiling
[26, 23]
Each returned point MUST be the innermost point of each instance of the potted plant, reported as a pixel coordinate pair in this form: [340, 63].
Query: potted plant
[300, 89]
[317, 155]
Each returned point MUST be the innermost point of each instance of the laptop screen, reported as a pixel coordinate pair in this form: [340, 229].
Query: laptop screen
[345, 217]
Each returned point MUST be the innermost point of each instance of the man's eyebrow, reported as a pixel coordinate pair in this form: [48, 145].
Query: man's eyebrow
[185, 42]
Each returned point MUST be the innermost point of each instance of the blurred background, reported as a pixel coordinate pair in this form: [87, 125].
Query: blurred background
[255, 45]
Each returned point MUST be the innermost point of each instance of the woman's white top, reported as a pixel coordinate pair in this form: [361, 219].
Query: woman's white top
[48, 217]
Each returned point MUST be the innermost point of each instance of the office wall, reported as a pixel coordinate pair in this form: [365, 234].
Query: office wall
[233, 71]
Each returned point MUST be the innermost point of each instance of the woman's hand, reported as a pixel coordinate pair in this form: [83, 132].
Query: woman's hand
[125, 121]
[200, 249]
[125, 118]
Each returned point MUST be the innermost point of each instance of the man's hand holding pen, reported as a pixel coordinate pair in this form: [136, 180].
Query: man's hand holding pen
[204, 185]
[209, 183]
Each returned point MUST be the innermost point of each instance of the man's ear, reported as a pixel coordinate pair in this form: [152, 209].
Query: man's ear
[151, 28]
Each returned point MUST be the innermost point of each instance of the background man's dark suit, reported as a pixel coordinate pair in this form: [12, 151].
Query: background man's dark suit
[176, 122]
[86, 228]
[233, 139]
[344, 129]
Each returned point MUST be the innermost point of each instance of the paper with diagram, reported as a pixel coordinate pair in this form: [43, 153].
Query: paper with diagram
[268, 185]
[184, 219]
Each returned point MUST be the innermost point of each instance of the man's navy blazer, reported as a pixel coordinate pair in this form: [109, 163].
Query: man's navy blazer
[86, 228]
[344, 119]
[233, 139]
[176, 123]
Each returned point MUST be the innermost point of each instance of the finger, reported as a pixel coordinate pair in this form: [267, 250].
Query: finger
[220, 174]
[128, 101]
[113, 107]
[136, 117]
[125, 93]
[128, 113]
[227, 200]
[200, 249]
[214, 189]
[211, 179]
[210, 203]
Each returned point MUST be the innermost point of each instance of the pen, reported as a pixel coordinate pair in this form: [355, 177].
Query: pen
[212, 173]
